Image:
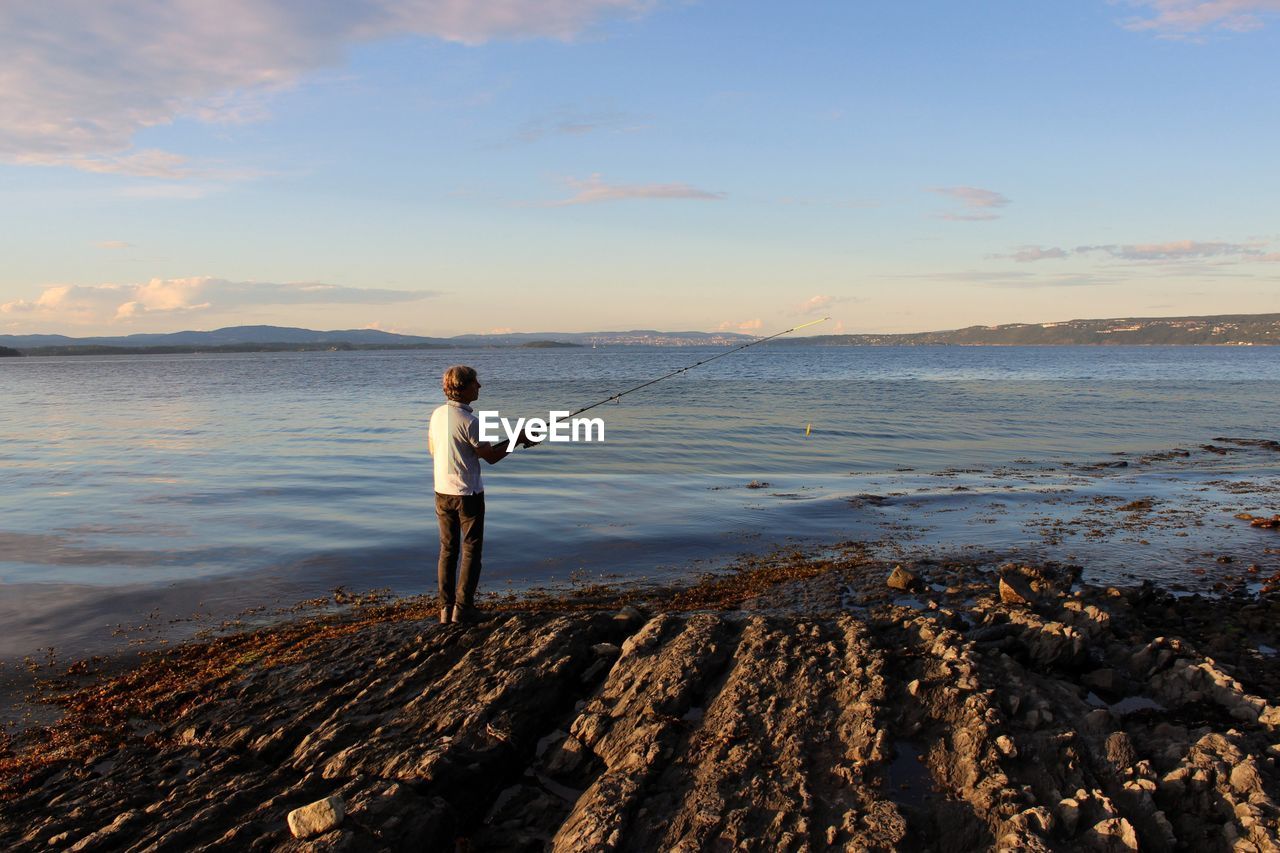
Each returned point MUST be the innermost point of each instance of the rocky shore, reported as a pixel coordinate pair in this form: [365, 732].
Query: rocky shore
[800, 703]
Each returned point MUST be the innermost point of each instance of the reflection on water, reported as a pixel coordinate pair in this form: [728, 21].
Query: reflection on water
[296, 470]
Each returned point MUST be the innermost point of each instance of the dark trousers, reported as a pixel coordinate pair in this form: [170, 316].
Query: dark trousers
[461, 520]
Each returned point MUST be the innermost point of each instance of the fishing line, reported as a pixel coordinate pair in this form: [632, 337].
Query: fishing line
[621, 394]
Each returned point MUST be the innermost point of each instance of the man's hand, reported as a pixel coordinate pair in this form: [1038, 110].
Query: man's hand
[491, 452]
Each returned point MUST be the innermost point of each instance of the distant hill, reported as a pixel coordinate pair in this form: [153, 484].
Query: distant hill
[256, 338]
[643, 337]
[1225, 329]
[232, 336]
[1220, 330]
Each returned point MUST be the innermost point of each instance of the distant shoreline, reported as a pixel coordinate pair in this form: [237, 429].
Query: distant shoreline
[342, 346]
[1207, 330]
[91, 349]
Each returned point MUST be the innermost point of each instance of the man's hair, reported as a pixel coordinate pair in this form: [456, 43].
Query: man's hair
[456, 378]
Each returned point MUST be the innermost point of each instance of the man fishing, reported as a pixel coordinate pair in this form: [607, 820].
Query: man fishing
[453, 440]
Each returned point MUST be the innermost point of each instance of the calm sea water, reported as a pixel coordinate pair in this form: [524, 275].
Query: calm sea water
[126, 480]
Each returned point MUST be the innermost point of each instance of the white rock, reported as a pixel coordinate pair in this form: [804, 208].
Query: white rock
[317, 818]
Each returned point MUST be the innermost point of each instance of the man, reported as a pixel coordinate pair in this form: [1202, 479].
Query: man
[454, 442]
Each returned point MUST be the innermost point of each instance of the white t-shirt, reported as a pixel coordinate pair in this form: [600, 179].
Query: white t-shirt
[452, 439]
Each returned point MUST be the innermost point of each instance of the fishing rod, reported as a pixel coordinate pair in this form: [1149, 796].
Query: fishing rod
[621, 394]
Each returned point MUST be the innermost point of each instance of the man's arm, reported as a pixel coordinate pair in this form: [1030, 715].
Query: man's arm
[492, 453]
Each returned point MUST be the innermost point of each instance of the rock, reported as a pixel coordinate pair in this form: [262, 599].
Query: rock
[762, 728]
[1069, 815]
[566, 758]
[1014, 589]
[901, 579]
[993, 633]
[1245, 778]
[111, 834]
[629, 614]
[1120, 751]
[1113, 834]
[317, 818]
[1100, 679]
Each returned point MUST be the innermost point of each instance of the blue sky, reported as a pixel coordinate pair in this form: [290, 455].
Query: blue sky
[441, 167]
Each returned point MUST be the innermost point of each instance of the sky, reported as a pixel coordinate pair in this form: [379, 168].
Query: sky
[443, 167]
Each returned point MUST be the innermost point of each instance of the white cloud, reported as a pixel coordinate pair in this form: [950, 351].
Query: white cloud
[815, 304]
[101, 303]
[978, 204]
[1172, 252]
[113, 244]
[1177, 250]
[741, 325]
[1182, 18]
[594, 190]
[150, 163]
[79, 78]
[1029, 254]
[974, 197]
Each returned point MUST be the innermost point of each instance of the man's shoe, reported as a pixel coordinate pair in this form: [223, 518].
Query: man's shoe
[444, 615]
[464, 615]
